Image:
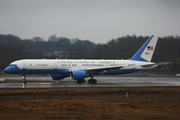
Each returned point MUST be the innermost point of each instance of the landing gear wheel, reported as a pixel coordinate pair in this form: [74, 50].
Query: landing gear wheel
[92, 81]
[24, 79]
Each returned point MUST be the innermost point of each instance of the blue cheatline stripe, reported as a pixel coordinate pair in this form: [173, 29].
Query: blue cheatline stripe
[137, 56]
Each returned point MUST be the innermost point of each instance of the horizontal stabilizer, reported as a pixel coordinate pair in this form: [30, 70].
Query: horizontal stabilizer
[155, 64]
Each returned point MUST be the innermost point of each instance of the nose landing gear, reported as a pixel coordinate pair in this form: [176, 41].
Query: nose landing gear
[24, 78]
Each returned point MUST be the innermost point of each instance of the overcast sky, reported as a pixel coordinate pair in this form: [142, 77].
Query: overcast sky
[94, 20]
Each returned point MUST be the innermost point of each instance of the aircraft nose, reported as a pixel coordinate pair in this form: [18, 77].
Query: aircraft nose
[11, 69]
[8, 69]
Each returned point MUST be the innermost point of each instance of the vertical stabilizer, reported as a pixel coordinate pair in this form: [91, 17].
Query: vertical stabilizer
[145, 53]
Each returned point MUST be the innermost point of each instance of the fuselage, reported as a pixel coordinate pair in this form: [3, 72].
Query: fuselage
[64, 66]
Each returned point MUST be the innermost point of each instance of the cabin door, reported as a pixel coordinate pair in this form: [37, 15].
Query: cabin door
[133, 66]
[55, 66]
[24, 66]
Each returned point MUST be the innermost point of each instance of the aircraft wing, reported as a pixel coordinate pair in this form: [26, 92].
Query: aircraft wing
[100, 69]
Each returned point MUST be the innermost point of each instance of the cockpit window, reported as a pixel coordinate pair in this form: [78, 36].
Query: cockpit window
[12, 65]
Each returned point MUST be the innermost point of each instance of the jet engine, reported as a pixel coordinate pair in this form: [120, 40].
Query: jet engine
[78, 74]
[57, 76]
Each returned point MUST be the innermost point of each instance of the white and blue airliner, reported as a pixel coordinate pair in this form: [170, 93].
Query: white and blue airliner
[80, 69]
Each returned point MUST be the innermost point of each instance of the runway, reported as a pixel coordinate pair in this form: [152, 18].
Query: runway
[47, 82]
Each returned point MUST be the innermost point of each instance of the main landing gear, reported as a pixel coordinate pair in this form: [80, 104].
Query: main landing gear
[92, 81]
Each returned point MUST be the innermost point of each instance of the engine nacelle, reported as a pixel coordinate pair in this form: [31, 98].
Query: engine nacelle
[78, 74]
[57, 76]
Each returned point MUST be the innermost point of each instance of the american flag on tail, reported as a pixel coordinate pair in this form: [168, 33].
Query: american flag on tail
[150, 48]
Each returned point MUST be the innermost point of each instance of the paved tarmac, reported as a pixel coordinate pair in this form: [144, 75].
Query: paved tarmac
[47, 82]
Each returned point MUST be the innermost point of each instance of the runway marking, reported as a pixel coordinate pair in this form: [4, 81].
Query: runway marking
[102, 82]
[1, 79]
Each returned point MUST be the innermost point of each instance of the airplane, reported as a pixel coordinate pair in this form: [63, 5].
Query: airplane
[79, 69]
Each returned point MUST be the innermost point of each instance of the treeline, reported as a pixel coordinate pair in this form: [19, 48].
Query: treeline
[14, 48]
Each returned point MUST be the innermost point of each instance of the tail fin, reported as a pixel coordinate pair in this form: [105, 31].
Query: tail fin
[145, 53]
